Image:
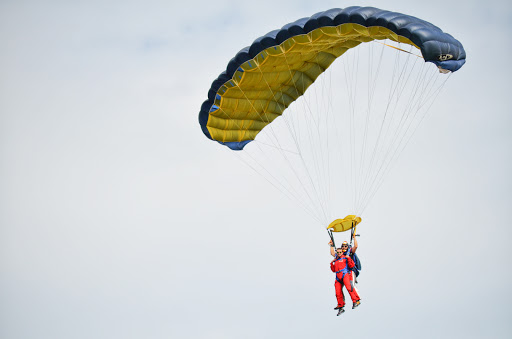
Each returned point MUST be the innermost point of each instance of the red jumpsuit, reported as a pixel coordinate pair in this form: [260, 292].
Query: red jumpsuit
[342, 268]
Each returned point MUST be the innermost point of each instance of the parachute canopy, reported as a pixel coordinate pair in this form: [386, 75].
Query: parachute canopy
[340, 130]
[345, 224]
[263, 79]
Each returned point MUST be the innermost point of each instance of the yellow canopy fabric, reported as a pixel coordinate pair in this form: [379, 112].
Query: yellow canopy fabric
[342, 225]
[262, 88]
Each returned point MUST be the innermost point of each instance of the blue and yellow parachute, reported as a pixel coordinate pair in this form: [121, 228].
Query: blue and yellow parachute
[263, 79]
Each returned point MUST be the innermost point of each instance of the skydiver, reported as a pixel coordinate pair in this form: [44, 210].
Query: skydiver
[342, 265]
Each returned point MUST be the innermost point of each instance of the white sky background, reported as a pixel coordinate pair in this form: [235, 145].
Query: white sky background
[119, 219]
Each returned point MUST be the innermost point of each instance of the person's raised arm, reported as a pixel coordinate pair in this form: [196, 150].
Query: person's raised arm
[333, 251]
[354, 248]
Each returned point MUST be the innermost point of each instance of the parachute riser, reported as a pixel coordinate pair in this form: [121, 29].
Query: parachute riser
[332, 238]
[352, 232]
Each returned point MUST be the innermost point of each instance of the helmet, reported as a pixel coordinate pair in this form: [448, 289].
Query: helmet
[345, 243]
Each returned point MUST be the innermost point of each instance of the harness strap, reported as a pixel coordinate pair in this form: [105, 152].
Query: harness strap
[344, 270]
[342, 276]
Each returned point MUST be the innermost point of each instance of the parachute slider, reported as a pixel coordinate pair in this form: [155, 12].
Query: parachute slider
[345, 224]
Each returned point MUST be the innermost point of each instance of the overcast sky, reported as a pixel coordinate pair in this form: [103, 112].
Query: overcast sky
[119, 219]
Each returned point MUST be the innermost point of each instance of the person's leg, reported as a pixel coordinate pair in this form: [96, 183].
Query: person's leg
[349, 284]
[339, 293]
